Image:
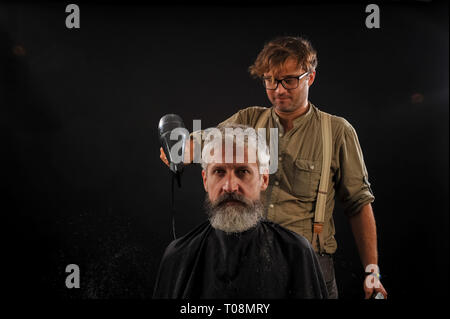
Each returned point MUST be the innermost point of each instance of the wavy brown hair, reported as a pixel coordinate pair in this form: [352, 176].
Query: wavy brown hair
[275, 53]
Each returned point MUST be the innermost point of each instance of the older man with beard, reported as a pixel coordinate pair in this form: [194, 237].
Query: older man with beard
[237, 253]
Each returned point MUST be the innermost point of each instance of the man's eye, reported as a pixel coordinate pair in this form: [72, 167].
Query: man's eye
[244, 171]
[289, 81]
[219, 171]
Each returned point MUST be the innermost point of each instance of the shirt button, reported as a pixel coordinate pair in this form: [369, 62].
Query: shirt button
[311, 167]
[280, 135]
[277, 183]
[280, 158]
[271, 205]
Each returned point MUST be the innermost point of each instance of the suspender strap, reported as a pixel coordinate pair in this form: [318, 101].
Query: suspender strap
[319, 215]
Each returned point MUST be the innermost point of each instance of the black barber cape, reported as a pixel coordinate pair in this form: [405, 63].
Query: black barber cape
[267, 261]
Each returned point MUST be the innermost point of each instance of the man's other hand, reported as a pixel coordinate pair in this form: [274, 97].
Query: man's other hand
[188, 154]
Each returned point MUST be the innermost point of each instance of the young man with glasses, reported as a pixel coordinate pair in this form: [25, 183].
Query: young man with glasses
[287, 67]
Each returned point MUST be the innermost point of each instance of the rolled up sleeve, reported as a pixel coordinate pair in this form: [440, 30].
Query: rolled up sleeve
[352, 180]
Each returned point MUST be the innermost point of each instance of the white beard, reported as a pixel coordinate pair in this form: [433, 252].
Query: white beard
[234, 218]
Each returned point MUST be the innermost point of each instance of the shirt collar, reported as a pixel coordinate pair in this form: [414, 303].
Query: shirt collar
[297, 121]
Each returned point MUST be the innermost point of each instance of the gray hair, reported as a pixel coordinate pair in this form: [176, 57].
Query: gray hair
[235, 135]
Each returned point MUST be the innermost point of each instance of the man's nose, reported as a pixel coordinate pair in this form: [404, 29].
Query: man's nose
[231, 184]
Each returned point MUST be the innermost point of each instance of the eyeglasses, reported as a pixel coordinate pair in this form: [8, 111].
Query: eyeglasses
[289, 83]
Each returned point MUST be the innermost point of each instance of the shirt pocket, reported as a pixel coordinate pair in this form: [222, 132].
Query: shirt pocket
[306, 179]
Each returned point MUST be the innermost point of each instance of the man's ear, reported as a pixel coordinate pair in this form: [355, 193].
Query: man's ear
[204, 180]
[265, 181]
[312, 76]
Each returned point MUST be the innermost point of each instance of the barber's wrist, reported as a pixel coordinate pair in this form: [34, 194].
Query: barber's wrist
[372, 270]
[375, 274]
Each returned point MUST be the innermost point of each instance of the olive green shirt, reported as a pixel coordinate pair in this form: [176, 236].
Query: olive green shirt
[292, 192]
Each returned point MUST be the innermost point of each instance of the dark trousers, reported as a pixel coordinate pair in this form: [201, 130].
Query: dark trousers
[327, 265]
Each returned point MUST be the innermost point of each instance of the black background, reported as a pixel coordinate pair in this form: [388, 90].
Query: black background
[81, 174]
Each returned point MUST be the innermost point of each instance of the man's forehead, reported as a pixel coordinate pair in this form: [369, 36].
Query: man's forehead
[289, 68]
